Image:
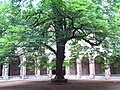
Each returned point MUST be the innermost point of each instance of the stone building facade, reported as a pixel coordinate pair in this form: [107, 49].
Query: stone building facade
[79, 69]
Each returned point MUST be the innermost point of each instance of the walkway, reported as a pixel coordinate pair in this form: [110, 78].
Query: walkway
[73, 84]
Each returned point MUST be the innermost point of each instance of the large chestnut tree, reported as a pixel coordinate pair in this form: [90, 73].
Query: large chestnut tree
[35, 24]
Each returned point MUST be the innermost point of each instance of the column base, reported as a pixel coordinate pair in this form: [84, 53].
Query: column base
[5, 77]
[78, 76]
[107, 77]
[23, 77]
[92, 76]
[67, 75]
[49, 75]
[37, 76]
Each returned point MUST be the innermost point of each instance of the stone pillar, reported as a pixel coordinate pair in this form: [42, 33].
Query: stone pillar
[67, 71]
[107, 72]
[5, 71]
[79, 67]
[37, 68]
[37, 73]
[107, 69]
[23, 67]
[49, 70]
[92, 68]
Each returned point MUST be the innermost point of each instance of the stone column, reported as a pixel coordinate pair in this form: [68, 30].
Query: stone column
[107, 72]
[92, 68]
[79, 67]
[37, 73]
[49, 70]
[5, 71]
[23, 68]
[67, 71]
[37, 68]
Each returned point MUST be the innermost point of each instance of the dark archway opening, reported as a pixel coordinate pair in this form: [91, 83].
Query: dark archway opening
[98, 68]
[14, 68]
[1, 70]
[85, 68]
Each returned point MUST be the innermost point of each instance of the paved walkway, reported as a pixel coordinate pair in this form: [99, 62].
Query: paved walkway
[73, 84]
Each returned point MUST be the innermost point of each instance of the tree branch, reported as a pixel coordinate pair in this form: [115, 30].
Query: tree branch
[51, 49]
[42, 22]
[91, 43]
[80, 28]
[73, 33]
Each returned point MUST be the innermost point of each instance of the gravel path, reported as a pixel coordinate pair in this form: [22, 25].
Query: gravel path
[73, 84]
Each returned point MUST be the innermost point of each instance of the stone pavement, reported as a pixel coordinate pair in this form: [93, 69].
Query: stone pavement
[73, 84]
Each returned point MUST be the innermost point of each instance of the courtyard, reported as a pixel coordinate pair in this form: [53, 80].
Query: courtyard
[73, 84]
[78, 40]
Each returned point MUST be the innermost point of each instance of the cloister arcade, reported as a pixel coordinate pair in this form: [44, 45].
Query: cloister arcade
[79, 68]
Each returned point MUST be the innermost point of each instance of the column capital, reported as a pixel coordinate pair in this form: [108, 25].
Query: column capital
[91, 61]
[78, 61]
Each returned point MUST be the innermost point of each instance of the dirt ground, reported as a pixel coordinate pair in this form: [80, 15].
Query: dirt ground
[73, 84]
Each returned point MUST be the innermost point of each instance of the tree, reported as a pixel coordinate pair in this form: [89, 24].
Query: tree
[51, 24]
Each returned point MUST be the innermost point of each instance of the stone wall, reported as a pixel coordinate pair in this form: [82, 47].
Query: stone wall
[43, 71]
[114, 70]
[73, 70]
[98, 68]
[85, 67]
[14, 68]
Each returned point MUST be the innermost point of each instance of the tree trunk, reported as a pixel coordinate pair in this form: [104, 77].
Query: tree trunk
[60, 44]
[59, 63]
[59, 60]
